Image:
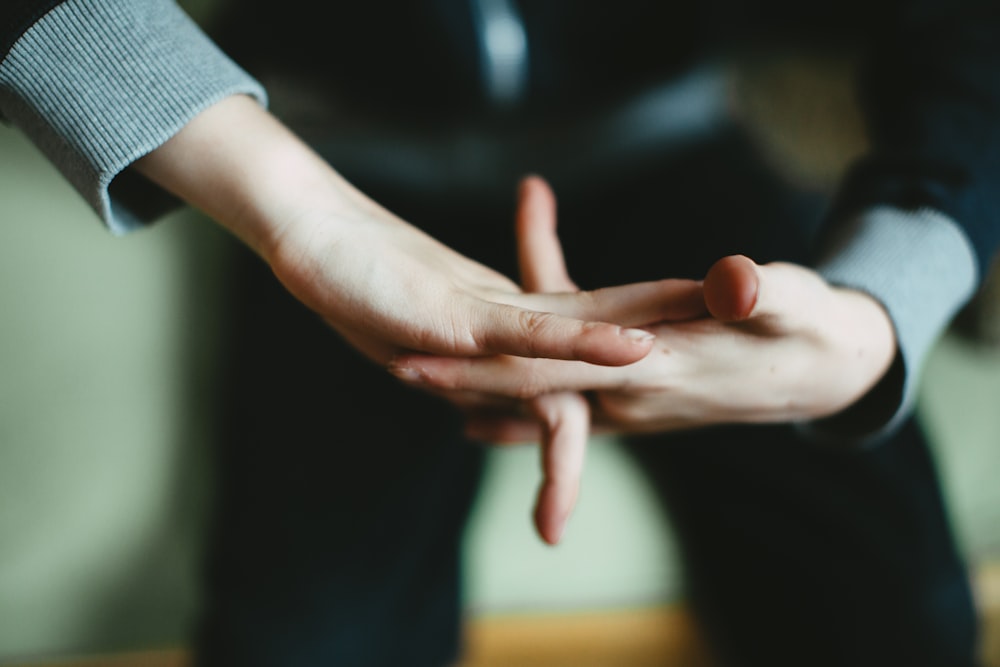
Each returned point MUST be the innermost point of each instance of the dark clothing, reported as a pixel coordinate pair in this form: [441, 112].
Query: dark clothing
[930, 74]
[344, 494]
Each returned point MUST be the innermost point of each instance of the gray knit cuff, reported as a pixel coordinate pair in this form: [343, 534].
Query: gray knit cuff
[97, 84]
[922, 268]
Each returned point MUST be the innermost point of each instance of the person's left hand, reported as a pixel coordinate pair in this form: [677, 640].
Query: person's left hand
[779, 344]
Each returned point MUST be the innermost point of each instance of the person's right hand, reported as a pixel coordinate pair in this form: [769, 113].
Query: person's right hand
[383, 284]
[749, 344]
[559, 421]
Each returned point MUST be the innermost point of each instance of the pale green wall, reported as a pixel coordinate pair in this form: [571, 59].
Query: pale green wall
[105, 398]
[101, 415]
[960, 406]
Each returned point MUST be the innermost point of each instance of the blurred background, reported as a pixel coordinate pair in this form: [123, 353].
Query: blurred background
[107, 400]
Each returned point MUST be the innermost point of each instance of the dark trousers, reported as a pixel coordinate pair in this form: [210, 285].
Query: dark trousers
[343, 495]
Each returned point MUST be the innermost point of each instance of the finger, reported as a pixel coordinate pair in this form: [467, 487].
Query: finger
[539, 253]
[565, 419]
[632, 305]
[515, 377]
[509, 430]
[543, 269]
[731, 288]
[513, 330]
[779, 294]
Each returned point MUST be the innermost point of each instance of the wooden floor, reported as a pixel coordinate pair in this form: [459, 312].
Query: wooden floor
[654, 637]
[627, 638]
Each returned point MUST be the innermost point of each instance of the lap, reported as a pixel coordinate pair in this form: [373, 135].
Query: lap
[796, 553]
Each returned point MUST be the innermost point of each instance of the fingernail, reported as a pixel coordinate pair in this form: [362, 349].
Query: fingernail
[638, 335]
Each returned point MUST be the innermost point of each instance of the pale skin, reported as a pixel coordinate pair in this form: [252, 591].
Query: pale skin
[750, 343]
[384, 285]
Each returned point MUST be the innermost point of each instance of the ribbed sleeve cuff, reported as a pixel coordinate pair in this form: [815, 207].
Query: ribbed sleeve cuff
[97, 84]
[922, 268]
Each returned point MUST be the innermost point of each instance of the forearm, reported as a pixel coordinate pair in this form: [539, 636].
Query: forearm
[249, 173]
[383, 283]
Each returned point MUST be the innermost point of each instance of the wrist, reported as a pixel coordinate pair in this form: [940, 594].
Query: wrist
[869, 362]
[249, 173]
[920, 266]
[872, 347]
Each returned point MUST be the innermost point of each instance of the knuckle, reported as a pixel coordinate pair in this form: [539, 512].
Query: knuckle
[531, 321]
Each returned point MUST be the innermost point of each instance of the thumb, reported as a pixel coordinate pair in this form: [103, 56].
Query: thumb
[539, 253]
[779, 294]
[732, 289]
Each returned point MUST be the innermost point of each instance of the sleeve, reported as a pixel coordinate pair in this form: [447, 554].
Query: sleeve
[916, 220]
[97, 84]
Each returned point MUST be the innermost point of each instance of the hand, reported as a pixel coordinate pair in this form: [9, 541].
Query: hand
[384, 285]
[559, 421]
[779, 345]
